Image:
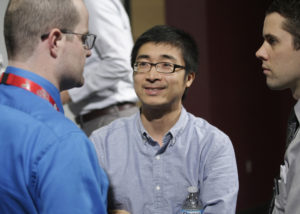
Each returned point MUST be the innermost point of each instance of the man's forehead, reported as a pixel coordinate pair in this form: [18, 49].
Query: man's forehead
[82, 26]
[162, 50]
[273, 23]
[160, 56]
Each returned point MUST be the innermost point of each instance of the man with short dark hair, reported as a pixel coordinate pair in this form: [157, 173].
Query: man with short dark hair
[152, 157]
[47, 164]
[280, 56]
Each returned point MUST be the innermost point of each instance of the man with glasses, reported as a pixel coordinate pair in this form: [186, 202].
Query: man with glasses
[88, 40]
[47, 163]
[107, 93]
[152, 157]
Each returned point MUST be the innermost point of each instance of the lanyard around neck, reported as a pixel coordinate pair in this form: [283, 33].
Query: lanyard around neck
[21, 82]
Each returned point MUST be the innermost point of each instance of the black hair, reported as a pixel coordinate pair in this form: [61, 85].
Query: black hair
[170, 35]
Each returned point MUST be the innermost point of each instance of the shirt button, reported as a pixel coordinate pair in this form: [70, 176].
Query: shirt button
[157, 187]
[157, 157]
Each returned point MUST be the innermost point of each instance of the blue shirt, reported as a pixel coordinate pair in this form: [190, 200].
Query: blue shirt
[47, 165]
[149, 179]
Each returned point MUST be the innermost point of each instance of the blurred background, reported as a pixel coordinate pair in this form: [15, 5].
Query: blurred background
[230, 90]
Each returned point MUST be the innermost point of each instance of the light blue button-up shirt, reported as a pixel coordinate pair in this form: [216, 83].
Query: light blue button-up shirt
[146, 178]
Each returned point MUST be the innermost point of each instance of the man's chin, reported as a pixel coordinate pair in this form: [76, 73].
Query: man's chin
[79, 84]
[68, 84]
[276, 87]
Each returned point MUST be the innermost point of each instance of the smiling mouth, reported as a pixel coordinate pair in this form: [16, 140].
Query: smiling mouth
[153, 91]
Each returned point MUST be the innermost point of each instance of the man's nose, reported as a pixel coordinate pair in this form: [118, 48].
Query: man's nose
[88, 53]
[261, 53]
[153, 73]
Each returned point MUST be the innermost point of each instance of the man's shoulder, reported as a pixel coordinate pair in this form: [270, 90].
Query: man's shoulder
[203, 127]
[119, 128]
[199, 122]
[37, 130]
[119, 124]
[37, 114]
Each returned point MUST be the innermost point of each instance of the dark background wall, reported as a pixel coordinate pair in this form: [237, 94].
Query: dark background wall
[230, 90]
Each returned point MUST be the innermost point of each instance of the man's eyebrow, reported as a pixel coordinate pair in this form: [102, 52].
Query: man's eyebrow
[143, 56]
[269, 36]
[165, 56]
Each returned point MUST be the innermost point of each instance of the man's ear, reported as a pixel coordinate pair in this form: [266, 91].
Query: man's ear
[54, 39]
[190, 78]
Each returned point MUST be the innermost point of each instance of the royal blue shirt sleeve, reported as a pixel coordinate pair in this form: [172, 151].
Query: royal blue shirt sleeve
[70, 183]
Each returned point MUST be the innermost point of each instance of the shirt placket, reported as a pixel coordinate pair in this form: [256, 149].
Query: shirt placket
[158, 176]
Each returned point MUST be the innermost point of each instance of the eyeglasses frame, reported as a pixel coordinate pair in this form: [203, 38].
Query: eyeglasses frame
[44, 36]
[155, 64]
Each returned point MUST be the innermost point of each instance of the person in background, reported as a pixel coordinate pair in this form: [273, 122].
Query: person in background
[108, 91]
[2, 67]
[280, 56]
[47, 163]
[152, 157]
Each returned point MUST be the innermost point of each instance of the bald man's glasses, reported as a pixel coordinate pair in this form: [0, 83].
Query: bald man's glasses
[88, 40]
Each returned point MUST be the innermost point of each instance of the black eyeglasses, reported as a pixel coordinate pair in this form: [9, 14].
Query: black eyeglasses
[88, 40]
[161, 67]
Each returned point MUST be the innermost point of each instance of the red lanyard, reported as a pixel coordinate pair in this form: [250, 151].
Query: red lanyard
[12, 79]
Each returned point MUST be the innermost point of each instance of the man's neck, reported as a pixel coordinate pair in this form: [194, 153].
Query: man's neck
[40, 70]
[159, 122]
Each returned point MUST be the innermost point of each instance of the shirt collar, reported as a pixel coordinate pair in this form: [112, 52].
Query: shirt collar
[45, 84]
[297, 110]
[175, 131]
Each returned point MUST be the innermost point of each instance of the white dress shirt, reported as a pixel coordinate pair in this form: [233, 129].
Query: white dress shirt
[107, 74]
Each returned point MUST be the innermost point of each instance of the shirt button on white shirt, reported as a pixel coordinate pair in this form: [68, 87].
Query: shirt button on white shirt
[157, 157]
[157, 187]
